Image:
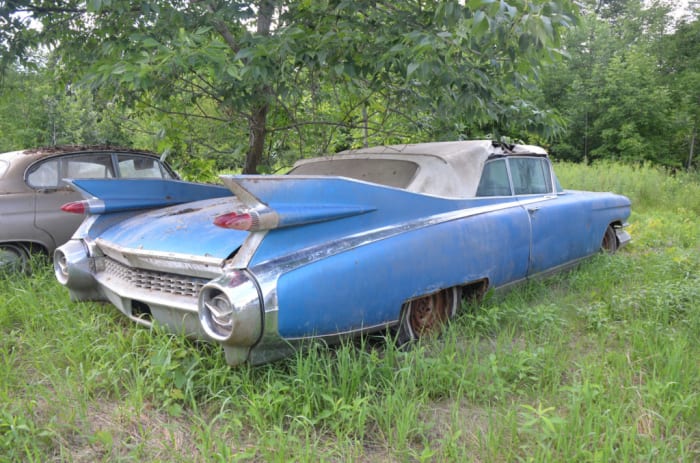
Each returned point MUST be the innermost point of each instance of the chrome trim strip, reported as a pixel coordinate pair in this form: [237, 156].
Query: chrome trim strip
[198, 266]
[559, 268]
[313, 253]
[332, 338]
[247, 250]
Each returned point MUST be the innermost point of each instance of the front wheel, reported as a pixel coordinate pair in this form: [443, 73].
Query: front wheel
[426, 315]
[609, 243]
[13, 257]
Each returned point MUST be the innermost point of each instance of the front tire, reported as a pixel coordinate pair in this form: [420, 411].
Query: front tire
[609, 243]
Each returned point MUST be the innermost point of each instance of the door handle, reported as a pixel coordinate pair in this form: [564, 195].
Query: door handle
[533, 209]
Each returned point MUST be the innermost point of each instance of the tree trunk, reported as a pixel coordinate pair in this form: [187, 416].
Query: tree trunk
[692, 146]
[256, 140]
[257, 122]
[366, 128]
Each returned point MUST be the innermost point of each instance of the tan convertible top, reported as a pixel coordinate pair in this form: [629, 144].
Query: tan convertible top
[448, 169]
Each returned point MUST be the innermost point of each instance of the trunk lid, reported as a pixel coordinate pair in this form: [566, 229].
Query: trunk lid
[185, 228]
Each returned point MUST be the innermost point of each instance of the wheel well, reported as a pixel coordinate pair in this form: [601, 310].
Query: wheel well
[29, 246]
[474, 292]
[426, 313]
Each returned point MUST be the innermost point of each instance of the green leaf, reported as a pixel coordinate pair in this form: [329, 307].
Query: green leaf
[150, 42]
[245, 54]
[480, 23]
[94, 6]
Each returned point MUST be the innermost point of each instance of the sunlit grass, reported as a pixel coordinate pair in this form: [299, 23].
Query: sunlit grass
[597, 364]
[647, 186]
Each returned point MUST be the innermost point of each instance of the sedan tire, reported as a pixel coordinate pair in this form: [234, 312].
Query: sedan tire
[13, 257]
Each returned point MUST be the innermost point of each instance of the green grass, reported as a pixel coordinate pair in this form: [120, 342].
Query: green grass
[597, 364]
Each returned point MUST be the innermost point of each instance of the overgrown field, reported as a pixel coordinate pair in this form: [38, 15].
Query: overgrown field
[598, 364]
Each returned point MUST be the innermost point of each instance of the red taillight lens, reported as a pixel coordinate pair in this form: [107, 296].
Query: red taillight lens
[76, 207]
[235, 220]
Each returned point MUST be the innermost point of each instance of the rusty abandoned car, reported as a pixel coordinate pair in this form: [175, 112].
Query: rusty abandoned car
[357, 242]
[32, 190]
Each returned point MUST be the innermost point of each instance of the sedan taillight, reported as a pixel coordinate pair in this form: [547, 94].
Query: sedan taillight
[76, 207]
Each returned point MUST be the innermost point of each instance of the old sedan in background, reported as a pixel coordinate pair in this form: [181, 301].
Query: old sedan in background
[361, 241]
[32, 191]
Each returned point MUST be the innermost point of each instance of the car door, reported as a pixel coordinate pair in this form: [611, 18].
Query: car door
[506, 244]
[51, 192]
[557, 220]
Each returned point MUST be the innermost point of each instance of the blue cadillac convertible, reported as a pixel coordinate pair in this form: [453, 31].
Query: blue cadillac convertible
[361, 241]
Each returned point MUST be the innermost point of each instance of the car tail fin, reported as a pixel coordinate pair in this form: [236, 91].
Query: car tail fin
[116, 195]
[281, 201]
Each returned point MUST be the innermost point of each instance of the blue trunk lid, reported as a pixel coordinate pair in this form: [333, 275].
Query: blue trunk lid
[185, 228]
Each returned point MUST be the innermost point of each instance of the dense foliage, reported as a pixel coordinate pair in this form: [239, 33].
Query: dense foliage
[255, 85]
[630, 89]
[287, 75]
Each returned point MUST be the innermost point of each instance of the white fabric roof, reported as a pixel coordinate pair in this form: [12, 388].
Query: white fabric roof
[448, 169]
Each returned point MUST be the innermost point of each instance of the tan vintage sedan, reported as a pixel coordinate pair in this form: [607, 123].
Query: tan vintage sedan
[32, 191]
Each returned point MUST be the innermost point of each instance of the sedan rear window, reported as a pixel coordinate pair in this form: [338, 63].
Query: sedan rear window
[131, 166]
[44, 175]
[50, 173]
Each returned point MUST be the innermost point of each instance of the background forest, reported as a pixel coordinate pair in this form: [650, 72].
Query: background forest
[253, 86]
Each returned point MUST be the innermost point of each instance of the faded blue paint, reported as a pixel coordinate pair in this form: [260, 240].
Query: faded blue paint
[392, 207]
[571, 226]
[184, 226]
[186, 229]
[368, 285]
[132, 194]
[300, 214]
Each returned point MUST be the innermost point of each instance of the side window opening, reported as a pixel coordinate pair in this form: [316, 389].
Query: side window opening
[530, 176]
[95, 166]
[494, 179]
[132, 166]
[44, 175]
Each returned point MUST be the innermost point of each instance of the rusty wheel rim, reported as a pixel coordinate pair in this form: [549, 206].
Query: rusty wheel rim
[428, 314]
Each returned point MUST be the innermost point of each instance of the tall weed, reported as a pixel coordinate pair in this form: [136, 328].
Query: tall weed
[648, 186]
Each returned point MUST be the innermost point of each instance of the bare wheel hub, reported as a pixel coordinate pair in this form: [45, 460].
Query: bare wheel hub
[426, 315]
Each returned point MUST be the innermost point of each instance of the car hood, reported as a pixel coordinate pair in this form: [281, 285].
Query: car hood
[185, 228]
